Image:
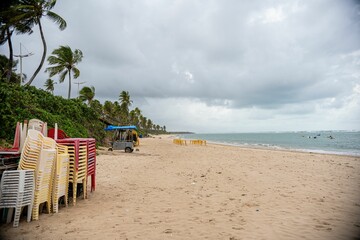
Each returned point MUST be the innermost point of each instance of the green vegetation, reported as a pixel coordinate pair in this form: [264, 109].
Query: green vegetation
[74, 116]
[23, 103]
[29, 13]
[64, 62]
[77, 119]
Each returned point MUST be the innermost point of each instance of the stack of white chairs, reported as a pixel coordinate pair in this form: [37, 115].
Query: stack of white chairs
[38, 125]
[17, 191]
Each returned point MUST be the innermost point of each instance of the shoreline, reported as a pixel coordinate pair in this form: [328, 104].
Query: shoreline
[244, 146]
[276, 148]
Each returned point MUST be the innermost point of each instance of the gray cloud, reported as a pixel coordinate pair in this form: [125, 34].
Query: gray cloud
[283, 56]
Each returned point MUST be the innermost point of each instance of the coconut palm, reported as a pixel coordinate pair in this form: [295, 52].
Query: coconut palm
[149, 124]
[125, 101]
[49, 85]
[64, 61]
[32, 11]
[4, 71]
[108, 108]
[87, 94]
[11, 21]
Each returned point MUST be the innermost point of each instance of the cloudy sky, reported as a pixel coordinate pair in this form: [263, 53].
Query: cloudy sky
[215, 65]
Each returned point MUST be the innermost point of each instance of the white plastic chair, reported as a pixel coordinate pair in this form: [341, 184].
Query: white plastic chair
[17, 191]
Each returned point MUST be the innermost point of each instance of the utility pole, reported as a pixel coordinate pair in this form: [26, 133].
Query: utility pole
[21, 57]
[78, 83]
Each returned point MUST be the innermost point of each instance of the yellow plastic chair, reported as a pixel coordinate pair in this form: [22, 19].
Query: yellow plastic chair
[43, 181]
[31, 151]
[61, 180]
[78, 174]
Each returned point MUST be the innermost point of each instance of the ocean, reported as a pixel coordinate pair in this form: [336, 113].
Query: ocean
[332, 142]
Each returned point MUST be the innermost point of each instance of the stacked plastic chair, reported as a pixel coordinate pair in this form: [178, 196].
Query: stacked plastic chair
[61, 177]
[39, 125]
[17, 191]
[77, 149]
[39, 154]
[15, 149]
[91, 167]
[31, 150]
[57, 133]
[43, 181]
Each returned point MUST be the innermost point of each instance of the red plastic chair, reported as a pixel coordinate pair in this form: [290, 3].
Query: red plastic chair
[61, 134]
[15, 149]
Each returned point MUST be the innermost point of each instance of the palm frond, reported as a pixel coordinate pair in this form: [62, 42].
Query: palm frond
[76, 72]
[57, 19]
[50, 4]
[62, 76]
[54, 70]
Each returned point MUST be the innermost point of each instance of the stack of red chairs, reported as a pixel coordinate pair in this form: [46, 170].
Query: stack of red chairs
[15, 149]
[91, 168]
[75, 145]
[9, 157]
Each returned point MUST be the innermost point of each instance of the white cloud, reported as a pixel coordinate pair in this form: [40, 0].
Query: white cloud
[272, 15]
[189, 77]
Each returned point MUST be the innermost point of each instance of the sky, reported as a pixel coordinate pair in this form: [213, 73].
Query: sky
[210, 66]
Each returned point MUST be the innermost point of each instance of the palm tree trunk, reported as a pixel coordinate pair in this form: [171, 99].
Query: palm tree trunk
[69, 84]
[11, 55]
[43, 56]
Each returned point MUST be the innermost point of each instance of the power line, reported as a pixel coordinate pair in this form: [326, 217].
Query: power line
[78, 83]
[21, 56]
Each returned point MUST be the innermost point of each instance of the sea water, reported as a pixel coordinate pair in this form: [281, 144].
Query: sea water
[334, 142]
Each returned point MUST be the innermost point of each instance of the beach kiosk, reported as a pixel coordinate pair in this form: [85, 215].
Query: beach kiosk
[124, 138]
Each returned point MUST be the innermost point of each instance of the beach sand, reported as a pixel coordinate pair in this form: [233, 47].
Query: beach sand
[167, 191]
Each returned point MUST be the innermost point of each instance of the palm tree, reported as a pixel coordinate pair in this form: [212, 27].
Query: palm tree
[32, 11]
[97, 107]
[49, 85]
[143, 121]
[117, 113]
[108, 108]
[149, 124]
[10, 21]
[125, 103]
[64, 61]
[87, 94]
[4, 71]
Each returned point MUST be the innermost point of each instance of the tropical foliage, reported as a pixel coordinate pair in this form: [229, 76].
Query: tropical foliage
[32, 12]
[64, 62]
[11, 21]
[21, 16]
[87, 94]
[4, 71]
[18, 103]
[77, 119]
[49, 85]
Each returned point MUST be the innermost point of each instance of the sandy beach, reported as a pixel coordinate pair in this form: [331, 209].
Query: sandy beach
[167, 191]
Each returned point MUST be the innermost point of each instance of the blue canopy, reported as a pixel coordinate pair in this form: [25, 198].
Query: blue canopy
[111, 127]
